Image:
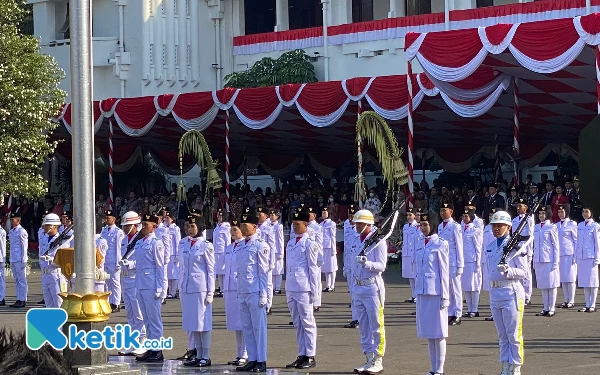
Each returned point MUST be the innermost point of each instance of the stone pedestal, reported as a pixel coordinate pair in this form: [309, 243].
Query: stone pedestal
[86, 357]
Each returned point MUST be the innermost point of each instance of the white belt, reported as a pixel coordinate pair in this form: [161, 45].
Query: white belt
[502, 284]
[366, 282]
[49, 271]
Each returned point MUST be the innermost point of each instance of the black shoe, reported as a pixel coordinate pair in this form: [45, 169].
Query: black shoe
[413, 313]
[309, 362]
[42, 302]
[583, 309]
[205, 362]
[467, 314]
[278, 292]
[299, 360]
[451, 318]
[142, 358]
[476, 315]
[527, 302]
[18, 304]
[316, 309]
[291, 323]
[114, 308]
[489, 319]
[247, 367]
[238, 361]
[189, 355]
[193, 362]
[3, 303]
[570, 305]
[563, 305]
[352, 324]
[164, 302]
[260, 367]
[219, 295]
[412, 300]
[326, 290]
[456, 322]
[542, 313]
[269, 312]
[155, 357]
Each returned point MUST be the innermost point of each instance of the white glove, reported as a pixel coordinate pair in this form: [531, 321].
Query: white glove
[554, 266]
[596, 262]
[45, 258]
[124, 263]
[459, 271]
[209, 299]
[445, 304]
[158, 295]
[344, 273]
[502, 268]
[279, 256]
[574, 260]
[262, 301]
[311, 298]
[361, 260]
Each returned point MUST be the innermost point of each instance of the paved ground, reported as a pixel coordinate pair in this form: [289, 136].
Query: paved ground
[565, 344]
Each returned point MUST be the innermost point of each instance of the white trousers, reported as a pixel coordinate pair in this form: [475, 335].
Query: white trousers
[330, 280]
[304, 321]
[549, 299]
[269, 289]
[254, 326]
[352, 303]
[455, 308]
[508, 318]
[150, 308]
[221, 278]
[241, 347]
[569, 290]
[113, 285]
[18, 271]
[190, 336]
[202, 342]
[173, 286]
[590, 296]
[412, 288]
[277, 281]
[133, 311]
[2, 282]
[51, 288]
[437, 355]
[370, 319]
[319, 295]
[528, 281]
[472, 301]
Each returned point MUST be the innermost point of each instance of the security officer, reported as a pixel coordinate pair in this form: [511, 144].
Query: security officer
[409, 235]
[450, 231]
[253, 271]
[349, 238]
[173, 267]
[131, 222]
[18, 258]
[52, 277]
[316, 234]
[221, 239]
[150, 283]
[2, 262]
[526, 244]
[301, 289]
[330, 266]
[279, 269]
[534, 195]
[507, 297]
[575, 200]
[265, 232]
[114, 238]
[369, 293]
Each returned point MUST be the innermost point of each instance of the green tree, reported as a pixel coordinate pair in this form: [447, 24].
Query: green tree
[29, 98]
[291, 67]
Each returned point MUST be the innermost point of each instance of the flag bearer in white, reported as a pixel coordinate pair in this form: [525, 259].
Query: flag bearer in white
[369, 293]
[315, 232]
[546, 257]
[265, 232]
[588, 259]
[507, 297]
[51, 273]
[567, 236]
[330, 265]
[410, 233]
[450, 231]
[349, 236]
[473, 249]
[173, 267]
[2, 261]
[19, 242]
[114, 238]
[279, 269]
[221, 239]
[527, 244]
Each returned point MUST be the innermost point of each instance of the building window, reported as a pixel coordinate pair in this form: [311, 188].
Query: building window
[416, 7]
[64, 30]
[362, 10]
[305, 13]
[485, 3]
[259, 16]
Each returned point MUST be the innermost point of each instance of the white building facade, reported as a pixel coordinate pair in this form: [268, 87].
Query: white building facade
[152, 47]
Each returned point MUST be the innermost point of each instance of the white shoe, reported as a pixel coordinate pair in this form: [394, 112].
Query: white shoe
[515, 370]
[505, 368]
[361, 369]
[376, 365]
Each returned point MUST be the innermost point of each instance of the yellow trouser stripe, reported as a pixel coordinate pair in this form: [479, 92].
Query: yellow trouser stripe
[381, 347]
[520, 330]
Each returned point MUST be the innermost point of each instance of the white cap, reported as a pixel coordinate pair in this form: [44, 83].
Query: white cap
[131, 217]
[52, 219]
[501, 217]
[364, 216]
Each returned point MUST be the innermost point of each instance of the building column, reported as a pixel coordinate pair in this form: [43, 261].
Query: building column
[397, 8]
[282, 15]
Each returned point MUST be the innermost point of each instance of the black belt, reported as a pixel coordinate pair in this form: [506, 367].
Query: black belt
[524, 238]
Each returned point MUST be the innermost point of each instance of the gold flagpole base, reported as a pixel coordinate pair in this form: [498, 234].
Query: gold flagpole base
[87, 308]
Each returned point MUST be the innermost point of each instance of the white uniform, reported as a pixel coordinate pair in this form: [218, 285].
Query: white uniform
[114, 237]
[162, 232]
[51, 273]
[253, 270]
[265, 232]
[546, 257]
[471, 277]
[301, 289]
[330, 265]
[150, 265]
[130, 298]
[527, 244]
[221, 239]
[2, 263]
[279, 269]
[488, 238]
[173, 267]
[588, 259]
[369, 295]
[230, 289]
[315, 232]
[350, 236]
[18, 260]
[432, 285]
[102, 246]
[450, 231]
[507, 301]
[410, 233]
[567, 237]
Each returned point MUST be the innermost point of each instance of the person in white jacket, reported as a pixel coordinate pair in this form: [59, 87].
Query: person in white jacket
[172, 267]
[473, 249]
[410, 232]
[279, 269]
[588, 259]
[450, 231]
[349, 237]
[546, 258]
[2, 262]
[330, 265]
[567, 236]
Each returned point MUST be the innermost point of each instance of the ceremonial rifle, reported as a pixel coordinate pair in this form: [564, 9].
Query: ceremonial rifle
[516, 236]
[130, 247]
[379, 234]
[60, 239]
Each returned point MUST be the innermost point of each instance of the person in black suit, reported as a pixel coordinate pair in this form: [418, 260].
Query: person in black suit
[534, 196]
[476, 200]
[495, 200]
[547, 198]
[37, 210]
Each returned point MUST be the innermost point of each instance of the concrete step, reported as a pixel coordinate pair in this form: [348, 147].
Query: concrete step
[125, 372]
[111, 368]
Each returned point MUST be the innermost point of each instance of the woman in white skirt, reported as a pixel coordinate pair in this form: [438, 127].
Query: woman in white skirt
[432, 288]
[197, 290]
[588, 259]
[546, 257]
[232, 310]
[567, 236]
[472, 238]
